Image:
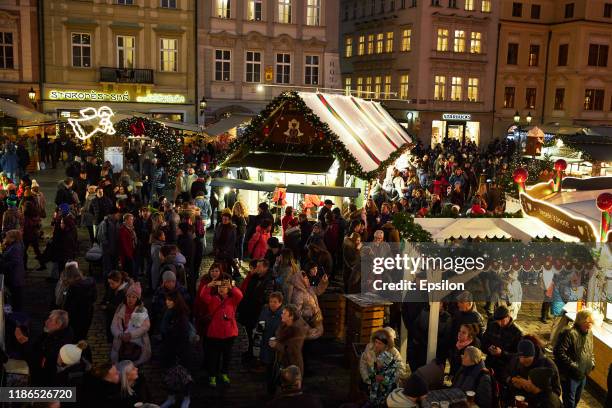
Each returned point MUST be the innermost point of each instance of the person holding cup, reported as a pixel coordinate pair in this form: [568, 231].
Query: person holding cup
[474, 376]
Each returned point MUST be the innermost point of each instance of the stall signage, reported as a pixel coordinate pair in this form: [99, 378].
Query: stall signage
[456, 116]
[558, 219]
[161, 98]
[100, 96]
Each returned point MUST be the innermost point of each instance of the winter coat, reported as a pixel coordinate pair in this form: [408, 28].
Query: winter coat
[100, 207]
[258, 244]
[100, 393]
[64, 195]
[155, 262]
[127, 244]
[138, 326]
[223, 313]
[507, 338]
[112, 299]
[305, 298]
[515, 369]
[475, 378]
[108, 236]
[574, 353]
[174, 330]
[205, 209]
[293, 237]
[79, 303]
[12, 219]
[455, 355]
[74, 376]
[158, 303]
[87, 217]
[12, 265]
[273, 322]
[545, 399]
[67, 240]
[289, 343]
[41, 355]
[258, 289]
[224, 241]
[469, 317]
[9, 162]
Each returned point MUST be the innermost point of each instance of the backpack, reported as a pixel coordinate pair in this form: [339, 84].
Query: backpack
[102, 232]
[495, 386]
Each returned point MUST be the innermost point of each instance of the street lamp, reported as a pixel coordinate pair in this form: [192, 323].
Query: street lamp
[203, 105]
[32, 96]
[529, 117]
[517, 118]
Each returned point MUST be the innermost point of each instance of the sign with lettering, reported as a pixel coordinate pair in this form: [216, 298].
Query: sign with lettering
[269, 74]
[456, 116]
[558, 219]
[100, 96]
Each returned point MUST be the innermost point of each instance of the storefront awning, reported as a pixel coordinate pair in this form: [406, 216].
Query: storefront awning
[23, 113]
[242, 184]
[324, 190]
[180, 125]
[226, 124]
[283, 162]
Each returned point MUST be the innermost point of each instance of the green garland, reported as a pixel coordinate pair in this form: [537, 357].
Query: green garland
[253, 132]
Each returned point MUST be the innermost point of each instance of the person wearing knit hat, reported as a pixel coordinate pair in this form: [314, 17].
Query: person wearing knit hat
[35, 183]
[500, 341]
[70, 354]
[72, 366]
[134, 289]
[413, 391]
[540, 390]
[169, 276]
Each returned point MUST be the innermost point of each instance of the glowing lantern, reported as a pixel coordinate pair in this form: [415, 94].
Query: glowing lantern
[560, 166]
[520, 177]
[604, 204]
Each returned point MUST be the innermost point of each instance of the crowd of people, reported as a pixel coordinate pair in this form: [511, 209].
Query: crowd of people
[149, 241]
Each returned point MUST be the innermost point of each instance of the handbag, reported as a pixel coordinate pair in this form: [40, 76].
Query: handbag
[129, 351]
[94, 253]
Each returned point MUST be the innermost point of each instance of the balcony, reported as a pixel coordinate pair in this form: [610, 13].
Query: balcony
[126, 75]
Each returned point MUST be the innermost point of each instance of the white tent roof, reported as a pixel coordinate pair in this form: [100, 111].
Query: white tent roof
[367, 130]
[579, 203]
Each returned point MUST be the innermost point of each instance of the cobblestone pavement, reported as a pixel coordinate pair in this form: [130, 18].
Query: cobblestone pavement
[330, 378]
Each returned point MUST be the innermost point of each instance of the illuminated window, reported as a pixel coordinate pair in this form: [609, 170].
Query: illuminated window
[361, 50]
[594, 99]
[377, 87]
[403, 89]
[559, 98]
[485, 6]
[459, 41]
[348, 47]
[312, 70]
[513, 50]
[253, 66]
[456, 88]
[169, 55]
[406, 40]
[473, 89]
[368, 87]
[439, 88]
[469, 5]
[442, 39]
[509, 93]
[223, 61]
[530, 98]
[284, 11]
[534, 55]
[313, 12]
[359, 87]
[224, 8]
[389, 45]
[283, 68]
[347, 86]
[475, 42]
[380, 40]
[387, 87]
[370, 44]
[126, 51]
[255, 10]
[81, 50]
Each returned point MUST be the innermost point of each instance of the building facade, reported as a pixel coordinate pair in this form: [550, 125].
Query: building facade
[19, 67]
[432, 62]
[135, 56]
[249, 51]
[554, 62]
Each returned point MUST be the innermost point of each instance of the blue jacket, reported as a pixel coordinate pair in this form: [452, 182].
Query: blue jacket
[273, 321]
[12, 265]
[9, 162]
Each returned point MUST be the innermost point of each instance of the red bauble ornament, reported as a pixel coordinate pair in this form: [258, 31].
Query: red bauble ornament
[138, 128]
[604, 202]
[560, 165]
[520, 175]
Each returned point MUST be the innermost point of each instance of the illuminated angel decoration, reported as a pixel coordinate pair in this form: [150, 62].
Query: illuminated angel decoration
[104, 124]
[293, 133]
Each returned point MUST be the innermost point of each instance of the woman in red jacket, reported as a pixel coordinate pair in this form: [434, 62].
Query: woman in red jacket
[222, 300]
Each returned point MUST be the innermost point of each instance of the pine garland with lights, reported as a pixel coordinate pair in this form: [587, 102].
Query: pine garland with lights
[330, 142]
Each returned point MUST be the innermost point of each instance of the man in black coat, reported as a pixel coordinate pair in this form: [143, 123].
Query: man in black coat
[539, 390]
[41, 353]
[103, 386]
[64, 192]
[466, 313]
[263, 213]
[80, 185]
[224, 240]
[326, 209]
[100, 206]
[500, 341]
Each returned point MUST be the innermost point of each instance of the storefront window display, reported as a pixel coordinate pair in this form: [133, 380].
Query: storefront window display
[468, 131]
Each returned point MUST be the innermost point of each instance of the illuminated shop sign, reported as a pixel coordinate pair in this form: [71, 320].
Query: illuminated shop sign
[99, 96]
[456, 116]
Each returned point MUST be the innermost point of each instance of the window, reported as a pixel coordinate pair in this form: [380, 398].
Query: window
[469, 5]
[253, 66]
[594, 99]
[372, 7]
[283, 68]
[473, 89]
[459, 41]
[517, 9]
[346, 12]
[598, 55]
[562, 57]
[382, 6]
[125, 51]
[403, 89]
[439, 88]
[535, 11]
[534, 55]
[406, 40]
[169, 55]
[380, 42]
[6, 51]
[284, 11]
[224, 8]
[223, 59]
[456, 88]
[361, 50]
[509, 97]
[442, 39]
[435, 3]
[392, 5]
[389, 44]
[559, 98]
[348, 47]
[311, 72]
[370, 44]
[607, 10]
[125, 2]
[475, 42]
[512, 54]
[377, 87]
[359, 87]
[255, 10]
[402, 4]
[530, 98]
[569, 10]
[387, 94]
[168, 4]
[452, 3]
[313, 12]
[368, 87]
[347, 86]
[485, 6]
[81, 50]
